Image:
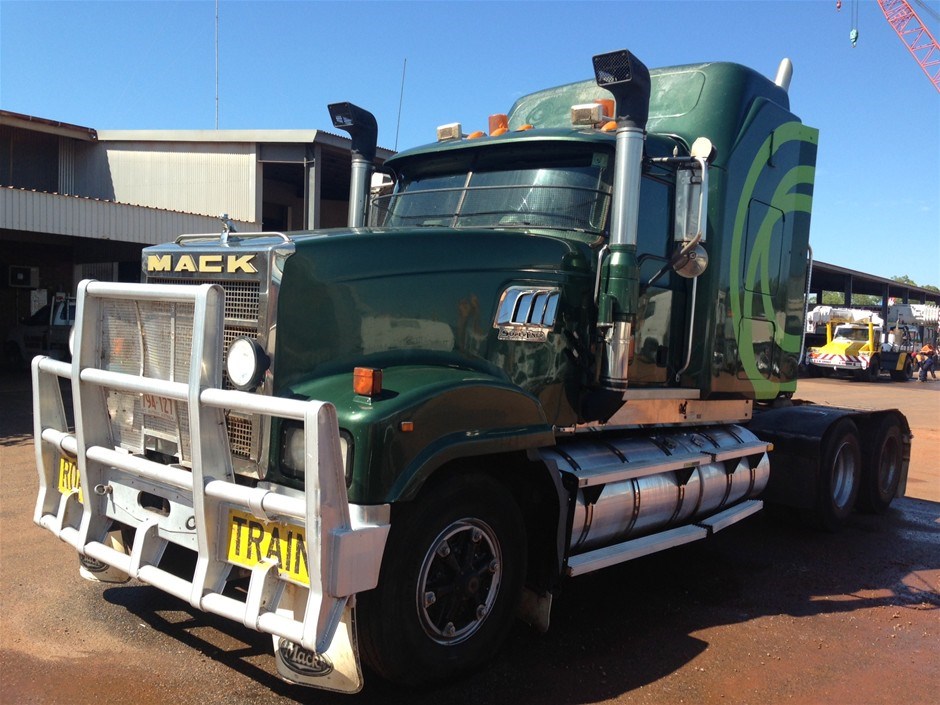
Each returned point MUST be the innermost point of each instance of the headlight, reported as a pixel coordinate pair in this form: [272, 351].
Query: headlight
[293, 452]
[246, 363]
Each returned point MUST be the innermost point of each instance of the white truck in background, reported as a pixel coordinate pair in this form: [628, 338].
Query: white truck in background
[924, 317]
[46, 332]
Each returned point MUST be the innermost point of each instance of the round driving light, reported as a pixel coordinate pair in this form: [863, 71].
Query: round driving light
[246, 363]
[294, 452]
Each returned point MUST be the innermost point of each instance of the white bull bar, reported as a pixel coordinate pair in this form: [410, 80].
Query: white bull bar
[345, 552]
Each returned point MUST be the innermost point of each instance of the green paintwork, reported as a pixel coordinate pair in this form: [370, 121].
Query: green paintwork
[455, 413]
[749, 307]
[419, 303]
[618, 297]
[746, 274]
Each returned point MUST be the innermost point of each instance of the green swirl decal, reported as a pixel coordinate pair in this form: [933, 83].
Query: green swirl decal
[786, 199]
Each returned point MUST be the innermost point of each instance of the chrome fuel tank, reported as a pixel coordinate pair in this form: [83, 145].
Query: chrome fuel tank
[629, 486]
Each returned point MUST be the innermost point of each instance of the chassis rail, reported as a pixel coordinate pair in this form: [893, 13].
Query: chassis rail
[344, 549]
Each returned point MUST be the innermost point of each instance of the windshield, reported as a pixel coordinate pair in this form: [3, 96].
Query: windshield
[855, 334]
[566, 187]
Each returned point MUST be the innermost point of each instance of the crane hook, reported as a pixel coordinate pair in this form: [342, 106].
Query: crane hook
[838, 5]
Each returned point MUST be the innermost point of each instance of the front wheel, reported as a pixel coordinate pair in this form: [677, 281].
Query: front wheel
[870, 373]
[451, 579]
[839, 475]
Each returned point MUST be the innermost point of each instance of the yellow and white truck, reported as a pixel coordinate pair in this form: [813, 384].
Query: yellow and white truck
[856, 343]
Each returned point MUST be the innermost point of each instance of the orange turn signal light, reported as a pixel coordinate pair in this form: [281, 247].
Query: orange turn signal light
[367, 381]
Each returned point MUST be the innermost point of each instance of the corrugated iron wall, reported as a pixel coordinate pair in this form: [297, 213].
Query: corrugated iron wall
[207, 179]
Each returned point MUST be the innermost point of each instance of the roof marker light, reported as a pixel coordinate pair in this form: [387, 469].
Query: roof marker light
[587, 114]
[476, 134]
[498, 124]
[452, 131]
[367, 381]
[608, 105]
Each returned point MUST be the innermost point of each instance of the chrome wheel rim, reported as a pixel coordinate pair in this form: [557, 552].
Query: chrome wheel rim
[459, 581]
[889, 467]
[844, 472]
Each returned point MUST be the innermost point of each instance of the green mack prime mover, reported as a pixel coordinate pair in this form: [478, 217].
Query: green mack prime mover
[550, 349]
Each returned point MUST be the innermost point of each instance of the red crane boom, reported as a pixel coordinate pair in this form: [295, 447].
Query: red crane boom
[915, 35]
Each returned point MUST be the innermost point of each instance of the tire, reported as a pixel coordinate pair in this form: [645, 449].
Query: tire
[839, 476]
[882, 459]
[874, 369]
[870, 373]
[450, 583]
[906, 374]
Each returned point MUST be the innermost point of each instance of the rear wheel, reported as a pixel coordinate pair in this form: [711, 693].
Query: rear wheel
[906, 373]
[839, 475]
[450, 583]
[881, 466]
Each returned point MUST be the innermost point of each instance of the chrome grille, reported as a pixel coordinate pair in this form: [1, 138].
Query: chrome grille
[242, 298]
[241, 312]
[240, 435]
[153, 339]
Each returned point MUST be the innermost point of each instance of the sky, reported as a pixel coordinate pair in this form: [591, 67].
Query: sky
[129, 64]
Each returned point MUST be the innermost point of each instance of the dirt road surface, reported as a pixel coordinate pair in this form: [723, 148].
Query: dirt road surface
[766, 612]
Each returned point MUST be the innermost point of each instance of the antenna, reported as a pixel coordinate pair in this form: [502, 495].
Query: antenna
[400, 99]
[217, 64]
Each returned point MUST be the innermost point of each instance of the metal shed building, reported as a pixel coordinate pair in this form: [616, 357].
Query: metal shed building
[78, 202]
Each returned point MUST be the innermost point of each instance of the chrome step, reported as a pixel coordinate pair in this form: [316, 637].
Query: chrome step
[636, 548]
[731, 515]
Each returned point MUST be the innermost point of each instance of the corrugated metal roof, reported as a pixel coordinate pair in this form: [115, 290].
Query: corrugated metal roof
[37, 211]
[31, 122]
[216, 136]
[36, 124]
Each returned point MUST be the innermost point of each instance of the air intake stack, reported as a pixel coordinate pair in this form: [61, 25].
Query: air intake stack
[628, 80]
[364, 131]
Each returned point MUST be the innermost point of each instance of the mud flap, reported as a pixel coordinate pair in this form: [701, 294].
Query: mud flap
[98, 572]
[338, 669]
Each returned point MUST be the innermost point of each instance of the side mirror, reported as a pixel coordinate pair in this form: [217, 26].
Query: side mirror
[691, 205]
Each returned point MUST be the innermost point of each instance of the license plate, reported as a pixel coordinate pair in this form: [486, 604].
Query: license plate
[159, 406]
[69, 480]
[250, 541]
